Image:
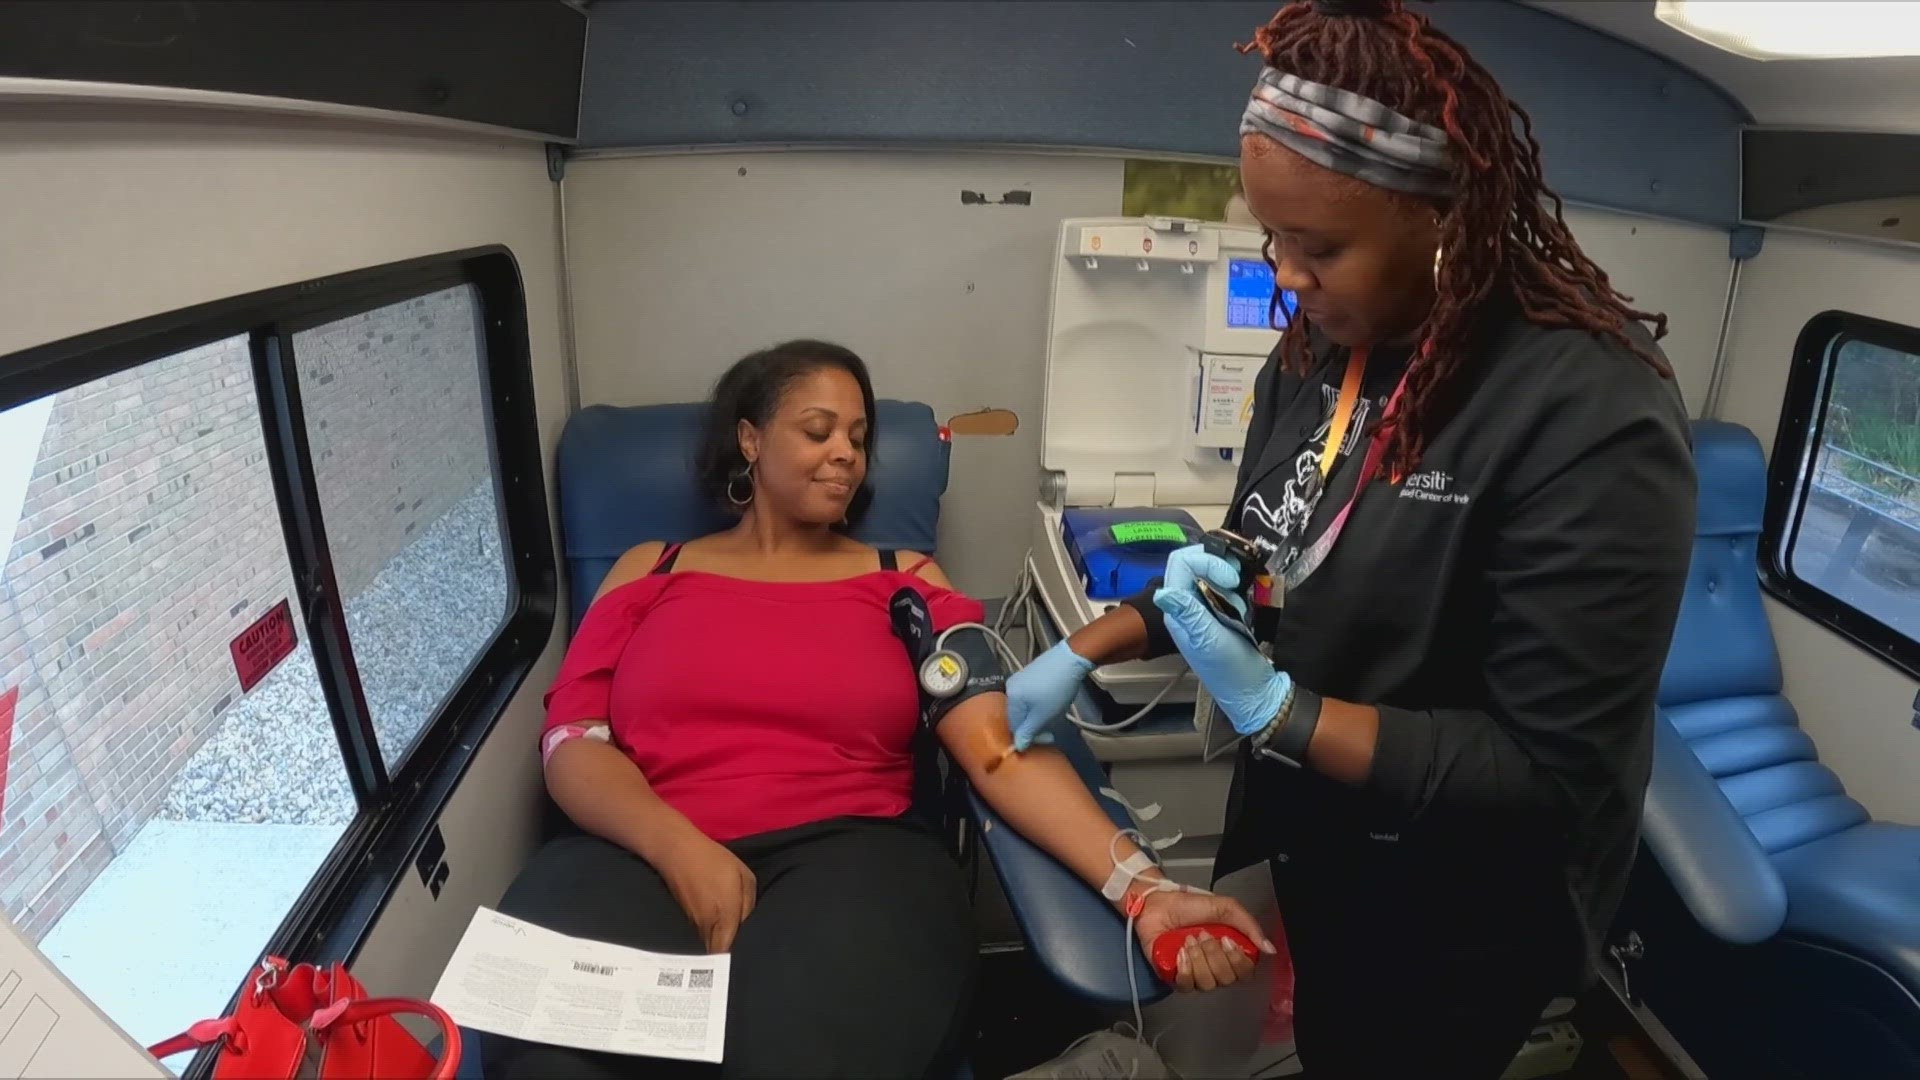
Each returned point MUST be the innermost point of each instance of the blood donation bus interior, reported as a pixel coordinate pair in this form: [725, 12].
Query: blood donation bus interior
[345, 344]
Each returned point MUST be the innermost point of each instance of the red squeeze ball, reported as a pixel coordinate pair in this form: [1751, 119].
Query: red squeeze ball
[1165, 952]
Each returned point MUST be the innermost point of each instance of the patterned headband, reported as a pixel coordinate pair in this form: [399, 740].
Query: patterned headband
[1349, 134]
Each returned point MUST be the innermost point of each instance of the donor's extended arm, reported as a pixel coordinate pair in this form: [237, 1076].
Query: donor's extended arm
[1039, 795]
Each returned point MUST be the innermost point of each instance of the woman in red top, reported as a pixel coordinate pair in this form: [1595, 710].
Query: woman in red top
[732, 729]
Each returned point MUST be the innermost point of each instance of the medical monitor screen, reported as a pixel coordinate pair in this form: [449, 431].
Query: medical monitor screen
[1249, 291]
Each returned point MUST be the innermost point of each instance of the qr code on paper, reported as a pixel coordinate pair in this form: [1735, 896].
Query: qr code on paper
[702, 979]
[672, 978]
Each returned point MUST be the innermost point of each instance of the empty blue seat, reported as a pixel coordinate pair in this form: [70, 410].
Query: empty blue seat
[1810, 909]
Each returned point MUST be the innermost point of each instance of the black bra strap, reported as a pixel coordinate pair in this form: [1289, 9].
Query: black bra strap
[665, 565]
[889, 559]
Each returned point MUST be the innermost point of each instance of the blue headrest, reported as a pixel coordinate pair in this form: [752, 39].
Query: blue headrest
[1722, 643]
[1732, 470]
[626, 476]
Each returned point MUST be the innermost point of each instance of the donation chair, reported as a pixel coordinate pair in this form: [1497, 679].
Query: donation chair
[625, 476]
[1779, 924]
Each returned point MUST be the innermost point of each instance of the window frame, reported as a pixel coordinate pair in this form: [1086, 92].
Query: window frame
[1801, 429]
[396, 814]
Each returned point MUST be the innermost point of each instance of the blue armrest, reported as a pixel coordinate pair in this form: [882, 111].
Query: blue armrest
[1720, 871]
[1075, 933]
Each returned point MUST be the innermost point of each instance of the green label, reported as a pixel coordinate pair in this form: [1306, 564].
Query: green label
[1147, 532]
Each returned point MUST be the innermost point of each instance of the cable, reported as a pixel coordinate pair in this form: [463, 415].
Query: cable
[1025, 589]
[1006, 654]
[1160, 884]
[1268, 1071]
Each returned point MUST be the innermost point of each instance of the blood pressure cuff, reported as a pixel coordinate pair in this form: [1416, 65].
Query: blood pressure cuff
[964, 667]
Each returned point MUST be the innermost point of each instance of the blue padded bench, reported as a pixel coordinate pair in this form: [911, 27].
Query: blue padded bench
[626, 476]
[1810, 958]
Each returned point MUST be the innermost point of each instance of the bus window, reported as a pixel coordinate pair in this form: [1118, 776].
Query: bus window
[147, 758]
[1844, 545]
[396, 418]
[276, 564]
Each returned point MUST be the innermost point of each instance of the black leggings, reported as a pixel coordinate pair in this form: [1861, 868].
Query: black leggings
[857, 961]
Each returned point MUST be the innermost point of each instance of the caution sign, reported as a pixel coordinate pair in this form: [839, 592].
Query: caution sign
[260, 648]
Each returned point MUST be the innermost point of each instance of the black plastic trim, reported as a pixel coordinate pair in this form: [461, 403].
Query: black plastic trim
[1802, 421]
[289, 456]
[507, 63]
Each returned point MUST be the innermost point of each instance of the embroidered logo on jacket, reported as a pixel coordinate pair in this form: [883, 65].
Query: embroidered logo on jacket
[1433, 486]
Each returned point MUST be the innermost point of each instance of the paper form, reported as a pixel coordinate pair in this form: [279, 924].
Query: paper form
[513, 978]
[49, 1029]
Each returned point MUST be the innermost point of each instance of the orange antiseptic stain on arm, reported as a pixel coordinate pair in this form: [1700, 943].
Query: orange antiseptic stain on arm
[996, 743]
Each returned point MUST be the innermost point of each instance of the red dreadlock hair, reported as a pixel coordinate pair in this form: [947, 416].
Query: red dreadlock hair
[1494, 228]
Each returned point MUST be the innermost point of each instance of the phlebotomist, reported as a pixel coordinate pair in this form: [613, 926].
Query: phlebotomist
[1472, 462]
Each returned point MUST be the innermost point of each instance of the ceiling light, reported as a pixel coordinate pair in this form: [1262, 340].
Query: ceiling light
[1798, 29]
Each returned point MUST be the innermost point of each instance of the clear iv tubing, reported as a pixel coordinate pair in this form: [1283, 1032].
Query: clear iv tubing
[994, 635]
[1023, 598]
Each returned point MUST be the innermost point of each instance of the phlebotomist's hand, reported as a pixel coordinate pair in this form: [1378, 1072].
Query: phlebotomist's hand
[1191, 563]
[1039, 694]
[1243, 683]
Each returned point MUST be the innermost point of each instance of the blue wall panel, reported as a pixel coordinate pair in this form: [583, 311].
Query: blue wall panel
[1620, 127]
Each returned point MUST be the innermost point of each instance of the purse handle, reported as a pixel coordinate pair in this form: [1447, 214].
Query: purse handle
[342, 1012]
[357, 1010]
[202, 1033]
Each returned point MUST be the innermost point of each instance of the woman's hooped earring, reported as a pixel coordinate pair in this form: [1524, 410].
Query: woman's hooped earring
[1437, 249]
[744, 474]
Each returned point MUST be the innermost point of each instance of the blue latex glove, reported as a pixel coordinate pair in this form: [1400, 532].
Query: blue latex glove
[1192, 562]
[1243, 683]
[1039, 694]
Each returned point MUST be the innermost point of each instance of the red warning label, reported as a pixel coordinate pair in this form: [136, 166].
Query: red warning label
[8, 701]
[260, 648]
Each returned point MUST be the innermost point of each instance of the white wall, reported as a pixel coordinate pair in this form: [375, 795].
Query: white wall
[948, 303]
[1856, 707]
[1669, 268]
[111, 214]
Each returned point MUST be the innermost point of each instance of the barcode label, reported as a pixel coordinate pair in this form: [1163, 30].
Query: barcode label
[592, 969]
[672, 978]
[702, 979]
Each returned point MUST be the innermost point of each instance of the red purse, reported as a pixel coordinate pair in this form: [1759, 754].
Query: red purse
[301, 1022]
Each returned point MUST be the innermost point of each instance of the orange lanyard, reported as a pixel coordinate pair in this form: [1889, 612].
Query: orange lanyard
[1264, 593]
[1343, 411]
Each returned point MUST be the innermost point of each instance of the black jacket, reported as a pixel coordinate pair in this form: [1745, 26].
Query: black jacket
[1508, 609]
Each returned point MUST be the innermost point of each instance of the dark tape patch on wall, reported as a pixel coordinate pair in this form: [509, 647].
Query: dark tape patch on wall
[1790, 171]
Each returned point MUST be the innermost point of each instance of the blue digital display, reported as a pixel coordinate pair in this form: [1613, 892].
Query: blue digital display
[1250, 291]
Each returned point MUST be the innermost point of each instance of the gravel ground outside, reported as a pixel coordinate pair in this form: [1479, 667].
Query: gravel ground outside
[415, 631]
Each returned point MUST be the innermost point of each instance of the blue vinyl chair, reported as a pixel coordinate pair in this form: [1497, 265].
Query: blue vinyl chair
[1780, 923]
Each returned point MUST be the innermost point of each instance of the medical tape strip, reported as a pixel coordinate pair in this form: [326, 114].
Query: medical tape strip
[1124, 874]
[1140, 813]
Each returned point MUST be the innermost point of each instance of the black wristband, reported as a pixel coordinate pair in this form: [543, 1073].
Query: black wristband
[1288, 745]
